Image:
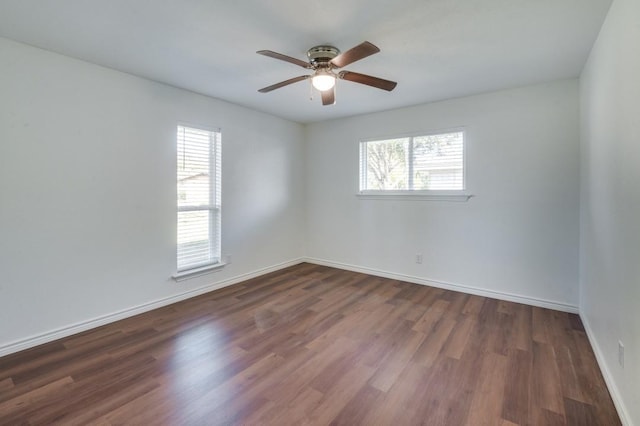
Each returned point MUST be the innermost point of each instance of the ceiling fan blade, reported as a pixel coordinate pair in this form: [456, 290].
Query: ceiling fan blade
[286, 58]
[329, 96]
[361, 51]
[283, 83]
[368, 80]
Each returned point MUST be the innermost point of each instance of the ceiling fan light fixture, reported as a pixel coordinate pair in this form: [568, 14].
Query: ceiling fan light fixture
[323, 80]
[323, 61]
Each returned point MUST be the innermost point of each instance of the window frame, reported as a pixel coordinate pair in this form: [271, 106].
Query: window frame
[214, 207]
[413, 194]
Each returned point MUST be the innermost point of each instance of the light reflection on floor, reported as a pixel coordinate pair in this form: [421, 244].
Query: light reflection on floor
[197, 368]
[204, 369]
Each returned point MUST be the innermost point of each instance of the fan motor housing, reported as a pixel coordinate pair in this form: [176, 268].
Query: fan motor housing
[322, 54]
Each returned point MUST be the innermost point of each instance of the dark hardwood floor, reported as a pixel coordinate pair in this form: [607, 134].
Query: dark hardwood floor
[316, 345]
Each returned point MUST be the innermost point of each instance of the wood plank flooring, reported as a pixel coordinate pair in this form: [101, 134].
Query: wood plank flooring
[316, 345]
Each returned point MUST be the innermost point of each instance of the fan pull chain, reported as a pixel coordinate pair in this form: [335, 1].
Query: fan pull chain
[310, 90]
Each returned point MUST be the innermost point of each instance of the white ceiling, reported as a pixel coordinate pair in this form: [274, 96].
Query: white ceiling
[434, 49]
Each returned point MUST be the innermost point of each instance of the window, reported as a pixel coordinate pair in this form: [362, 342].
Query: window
[416, 164]
[198, 198]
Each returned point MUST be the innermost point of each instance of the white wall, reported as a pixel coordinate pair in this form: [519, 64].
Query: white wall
[610, 201]
[87, 178]
[518, 235]
[87, 190]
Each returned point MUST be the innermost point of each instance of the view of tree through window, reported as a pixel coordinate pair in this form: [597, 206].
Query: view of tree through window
[430, 162]
[387, 164]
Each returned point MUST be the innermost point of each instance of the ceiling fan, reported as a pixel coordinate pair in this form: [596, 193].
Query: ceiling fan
[323, 60]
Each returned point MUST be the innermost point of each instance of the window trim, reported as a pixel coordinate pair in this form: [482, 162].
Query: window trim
[414, 196]
[428, 195]
[196, 272]
[214, 206]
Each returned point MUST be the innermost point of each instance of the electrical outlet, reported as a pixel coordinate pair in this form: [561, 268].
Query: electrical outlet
[620, 354]
[227, 259]
[418, 258]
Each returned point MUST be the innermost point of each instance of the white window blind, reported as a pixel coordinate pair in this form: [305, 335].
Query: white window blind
[417, 163]
[199, 167]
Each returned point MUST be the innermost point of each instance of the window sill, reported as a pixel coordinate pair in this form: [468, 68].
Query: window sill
[196, 272]
[416, 196]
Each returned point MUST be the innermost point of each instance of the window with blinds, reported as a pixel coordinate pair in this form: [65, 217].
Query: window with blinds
[199, 167]
[417, 163]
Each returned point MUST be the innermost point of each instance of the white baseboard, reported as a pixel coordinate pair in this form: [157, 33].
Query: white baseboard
[135, 310]
[564, 307]
[608, 378]
[126, 313]
[558, 306]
